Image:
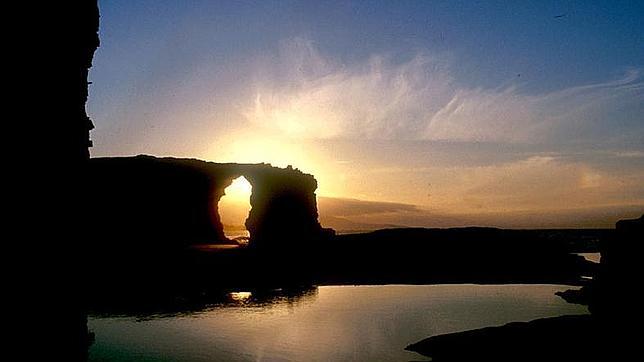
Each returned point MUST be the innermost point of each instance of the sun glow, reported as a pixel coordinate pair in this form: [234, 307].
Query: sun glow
[240, 189]
[234, 207]
[240, 297]
[251, 146]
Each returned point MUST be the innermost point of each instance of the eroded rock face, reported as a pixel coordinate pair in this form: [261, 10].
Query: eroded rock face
[170, 202]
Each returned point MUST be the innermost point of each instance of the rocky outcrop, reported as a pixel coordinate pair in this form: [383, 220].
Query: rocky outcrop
[171, 202]
[605, 335]
[567, 338]
[612, 295]
[283, 207]
[617, 273]
[458, 255]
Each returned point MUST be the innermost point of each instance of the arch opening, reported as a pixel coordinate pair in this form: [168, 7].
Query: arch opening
[234, 208]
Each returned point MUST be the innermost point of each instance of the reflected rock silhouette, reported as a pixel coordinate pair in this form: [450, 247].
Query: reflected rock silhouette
[171, 304]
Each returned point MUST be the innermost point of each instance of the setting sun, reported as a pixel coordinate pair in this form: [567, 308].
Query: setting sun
[240, 189]
[234, 207]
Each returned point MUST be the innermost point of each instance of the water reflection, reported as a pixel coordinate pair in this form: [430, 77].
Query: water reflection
[592, 257]
[240, 296]
[195, 302]
[264, 298]
[321, 324]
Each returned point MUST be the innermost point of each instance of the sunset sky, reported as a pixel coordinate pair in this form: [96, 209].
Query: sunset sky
[416, 113]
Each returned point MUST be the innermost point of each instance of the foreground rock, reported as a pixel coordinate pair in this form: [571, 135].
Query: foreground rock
[543, 339]
[606, 335]
[568, 338]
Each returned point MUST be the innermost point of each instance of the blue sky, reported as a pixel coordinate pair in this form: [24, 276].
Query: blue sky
[493, 40]
[494, 104]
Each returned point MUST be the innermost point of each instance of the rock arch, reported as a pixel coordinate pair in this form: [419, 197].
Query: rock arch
[169, 202]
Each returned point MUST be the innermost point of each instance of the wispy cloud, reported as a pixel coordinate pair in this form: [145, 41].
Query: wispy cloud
[376, 99]
[508, 115]
[379, 98]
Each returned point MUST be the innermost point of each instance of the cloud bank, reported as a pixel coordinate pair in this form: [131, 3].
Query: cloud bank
[351, 215]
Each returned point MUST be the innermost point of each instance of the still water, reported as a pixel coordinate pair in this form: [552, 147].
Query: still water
[329, 323]
[592, 257]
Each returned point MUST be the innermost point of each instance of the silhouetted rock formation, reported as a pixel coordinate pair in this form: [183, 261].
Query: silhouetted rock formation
[80, 125]
[617, 272]
[148, 210]
[470, 255]
[284, 210]
[165, 203]
[611, 294]
[607, 334]
[568, 338]
[71, 117]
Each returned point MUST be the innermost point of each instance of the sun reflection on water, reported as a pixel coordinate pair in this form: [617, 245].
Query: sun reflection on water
[240, 297]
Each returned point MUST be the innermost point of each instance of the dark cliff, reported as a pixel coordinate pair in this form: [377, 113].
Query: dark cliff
[79, 123]
[612, 295]
[145, 201]
[60, 108]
